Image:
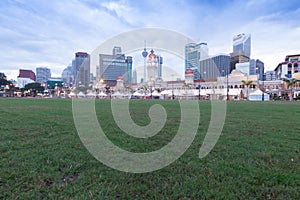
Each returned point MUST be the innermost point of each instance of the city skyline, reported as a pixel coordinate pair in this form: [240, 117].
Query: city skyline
[46, 34]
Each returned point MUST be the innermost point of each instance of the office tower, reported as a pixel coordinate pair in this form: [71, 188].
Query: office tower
[82, 69]
[128, 76]
[213, 67]
[241, 49]
[194, 53]
[260, 69]
[242, 44]
[113, 66]
[42, 74]
[67, 76]
[117, 51]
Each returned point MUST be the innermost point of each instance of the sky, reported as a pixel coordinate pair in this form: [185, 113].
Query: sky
[35, 33]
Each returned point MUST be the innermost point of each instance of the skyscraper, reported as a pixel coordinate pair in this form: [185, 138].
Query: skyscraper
[42, 74]
[242, 44]
[241, 50]
[82, 69]
[193, 54]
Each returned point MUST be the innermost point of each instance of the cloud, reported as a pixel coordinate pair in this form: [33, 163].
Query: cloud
[48, 33]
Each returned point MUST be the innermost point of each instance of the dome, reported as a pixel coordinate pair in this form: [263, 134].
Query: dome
[152, 55]
[144, 53]
[189, 71]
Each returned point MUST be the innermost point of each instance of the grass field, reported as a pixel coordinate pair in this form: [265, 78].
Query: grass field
[256, 157]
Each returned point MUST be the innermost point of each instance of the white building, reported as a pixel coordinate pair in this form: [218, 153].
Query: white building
[23, 81]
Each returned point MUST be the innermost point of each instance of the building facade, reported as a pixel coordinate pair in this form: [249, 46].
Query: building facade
[270, 76]
[214, 67]
[289, 67]
[113, 66]
[42, 74]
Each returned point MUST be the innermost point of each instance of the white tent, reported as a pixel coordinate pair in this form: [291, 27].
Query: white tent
[138, 94]
[102, 94]
[91, 95]
[257, 96]
[72, 95]
[155, 93]
[117, 95]
[81, 95]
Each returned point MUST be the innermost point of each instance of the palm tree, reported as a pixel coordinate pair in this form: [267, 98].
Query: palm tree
[290, 84]
[247, 83]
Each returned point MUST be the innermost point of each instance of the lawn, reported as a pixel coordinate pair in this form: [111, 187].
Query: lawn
[256, 157]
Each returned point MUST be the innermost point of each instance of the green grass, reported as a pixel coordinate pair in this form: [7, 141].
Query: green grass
[256, 157]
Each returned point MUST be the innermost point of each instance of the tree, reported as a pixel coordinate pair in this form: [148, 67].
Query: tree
[290, 84]
[247, 83]
[34, 87]
[2, 76]
[3, 80]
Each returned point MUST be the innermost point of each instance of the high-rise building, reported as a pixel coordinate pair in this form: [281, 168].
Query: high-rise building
[113, 66]
[194, 53]
[82, 69]
[242, 44]
[213, 67]
[128, 74]
[241, 50]
[42, 74]
[67, 76]
[260, 69]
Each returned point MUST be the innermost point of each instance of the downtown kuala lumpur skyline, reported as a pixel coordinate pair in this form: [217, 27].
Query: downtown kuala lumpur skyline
[37, 33]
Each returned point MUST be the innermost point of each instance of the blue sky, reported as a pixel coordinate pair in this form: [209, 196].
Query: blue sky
[36, 33]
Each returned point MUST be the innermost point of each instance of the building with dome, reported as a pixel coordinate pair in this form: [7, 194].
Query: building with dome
[152, 67]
